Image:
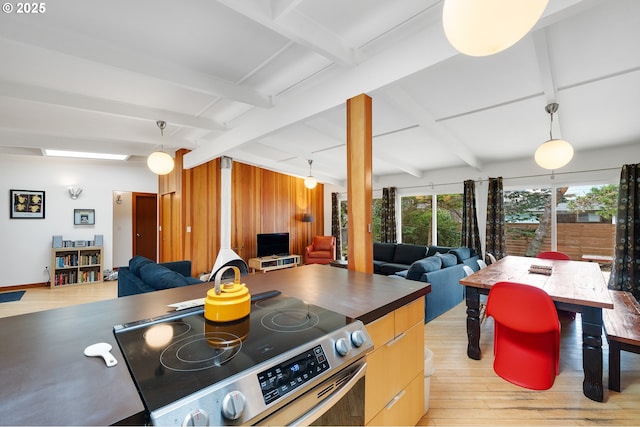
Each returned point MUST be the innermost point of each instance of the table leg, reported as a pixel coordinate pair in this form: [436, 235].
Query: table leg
[473, 322]
[592, 353]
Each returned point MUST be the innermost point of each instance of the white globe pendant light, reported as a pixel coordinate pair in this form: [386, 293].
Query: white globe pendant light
[554, 153]
[310, 182]
[159, 162]
[485, 27]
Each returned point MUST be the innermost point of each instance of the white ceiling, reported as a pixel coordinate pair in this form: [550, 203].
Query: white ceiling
[265, 82]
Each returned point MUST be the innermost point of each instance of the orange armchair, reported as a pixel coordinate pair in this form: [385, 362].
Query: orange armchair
[321, 251]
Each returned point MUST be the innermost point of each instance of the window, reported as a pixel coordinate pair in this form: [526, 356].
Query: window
[527, 221]
[417, 224]
[415, 216]
[584, 220]
[449, 219]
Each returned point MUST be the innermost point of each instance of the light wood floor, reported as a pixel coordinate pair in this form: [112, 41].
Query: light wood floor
[462, 391]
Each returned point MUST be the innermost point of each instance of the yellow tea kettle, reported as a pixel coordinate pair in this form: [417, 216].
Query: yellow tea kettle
[229, 301]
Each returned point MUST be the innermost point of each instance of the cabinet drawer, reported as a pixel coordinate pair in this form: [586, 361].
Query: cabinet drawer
[409, 315]
[391, 367]
[381, 330]
[406, 408]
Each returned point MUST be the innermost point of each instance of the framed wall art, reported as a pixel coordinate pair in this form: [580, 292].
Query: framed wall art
[27, 204]
[84, 216]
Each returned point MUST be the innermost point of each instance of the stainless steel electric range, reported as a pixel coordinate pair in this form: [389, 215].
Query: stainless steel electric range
[284, 363]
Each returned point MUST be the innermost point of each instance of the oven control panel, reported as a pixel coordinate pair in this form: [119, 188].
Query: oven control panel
[285, 377]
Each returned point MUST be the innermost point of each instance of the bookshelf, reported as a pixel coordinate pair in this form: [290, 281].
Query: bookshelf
[76, 266]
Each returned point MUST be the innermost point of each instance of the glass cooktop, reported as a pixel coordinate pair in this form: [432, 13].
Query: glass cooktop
[178, 354]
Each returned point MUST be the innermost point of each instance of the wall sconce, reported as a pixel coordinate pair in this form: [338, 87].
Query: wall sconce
[74, 193]
[119, 198]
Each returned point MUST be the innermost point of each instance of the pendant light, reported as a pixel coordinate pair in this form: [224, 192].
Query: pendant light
[310, 182]
[485, 27]
[555, 153]
[159, 162]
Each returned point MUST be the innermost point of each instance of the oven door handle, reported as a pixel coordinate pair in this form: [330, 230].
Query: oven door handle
[319, 410]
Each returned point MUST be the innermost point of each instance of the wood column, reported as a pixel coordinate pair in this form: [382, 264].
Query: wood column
[360, 240]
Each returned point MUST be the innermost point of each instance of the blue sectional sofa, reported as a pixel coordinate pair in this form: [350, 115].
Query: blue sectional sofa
[443, 270]
[143, 275]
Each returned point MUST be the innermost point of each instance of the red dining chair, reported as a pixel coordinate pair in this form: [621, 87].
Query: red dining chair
[553, 255]
[526, 342]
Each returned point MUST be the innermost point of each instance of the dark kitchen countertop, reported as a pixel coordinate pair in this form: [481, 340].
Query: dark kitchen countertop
[47, 380]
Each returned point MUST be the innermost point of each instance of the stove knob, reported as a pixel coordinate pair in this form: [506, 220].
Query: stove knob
[357, 338]
[233, 405]
[342, 347]
[199, 417]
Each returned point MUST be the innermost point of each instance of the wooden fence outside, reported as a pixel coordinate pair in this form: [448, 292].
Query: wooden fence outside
[574, 239]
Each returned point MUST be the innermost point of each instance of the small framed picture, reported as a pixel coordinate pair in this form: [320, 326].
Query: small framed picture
[84, 216]
[27, 204]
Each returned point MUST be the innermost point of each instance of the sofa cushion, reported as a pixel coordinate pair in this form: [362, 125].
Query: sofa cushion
[422, 266]
[461, 253]
[407, 254]
[389, 268]
[384, 251]
[448, 260]
[438, 249]
[137, 262]
[160, 277]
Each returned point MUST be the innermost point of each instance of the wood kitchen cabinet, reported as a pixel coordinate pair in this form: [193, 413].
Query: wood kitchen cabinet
[394, 383]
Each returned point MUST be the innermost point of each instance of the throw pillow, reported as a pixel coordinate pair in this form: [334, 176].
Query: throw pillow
[461, 253]
[422, 266]
[160, 277]
[448, 260]
[137, 262]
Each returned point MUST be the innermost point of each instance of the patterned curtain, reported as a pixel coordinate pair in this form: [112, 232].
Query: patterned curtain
[335, 222]
[496, 241]
[470, 234]
[625, 273]
[388, 216]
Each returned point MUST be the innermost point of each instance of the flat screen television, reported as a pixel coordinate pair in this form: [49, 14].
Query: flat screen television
[273, 244]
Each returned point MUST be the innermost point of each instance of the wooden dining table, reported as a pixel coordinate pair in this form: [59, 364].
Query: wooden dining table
[574, 286]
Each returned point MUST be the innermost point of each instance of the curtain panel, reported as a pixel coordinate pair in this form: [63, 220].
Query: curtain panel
[625, 273]
[470, 234]
[335, 223]
[388, 216]
[496, 240]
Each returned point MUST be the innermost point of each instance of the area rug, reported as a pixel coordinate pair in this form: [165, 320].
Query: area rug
[11, 296]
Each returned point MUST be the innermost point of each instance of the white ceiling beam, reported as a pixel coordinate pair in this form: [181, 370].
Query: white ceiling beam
[546, 73]
[282, 7]
[104, 106]
[33, 139]
[376, 72]
[29, 33]
[428, 124]
[295, 26]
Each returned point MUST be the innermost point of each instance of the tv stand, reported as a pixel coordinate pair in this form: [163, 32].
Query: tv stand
[274, 262]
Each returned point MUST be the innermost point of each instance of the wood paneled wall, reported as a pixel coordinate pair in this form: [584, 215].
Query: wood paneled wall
[262, 202]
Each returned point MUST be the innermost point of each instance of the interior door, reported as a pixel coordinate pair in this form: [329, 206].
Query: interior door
[145, 225]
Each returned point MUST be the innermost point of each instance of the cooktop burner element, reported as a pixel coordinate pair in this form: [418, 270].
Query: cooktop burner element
[279, 350]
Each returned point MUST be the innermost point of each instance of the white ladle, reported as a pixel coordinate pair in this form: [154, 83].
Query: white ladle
[101, 349]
